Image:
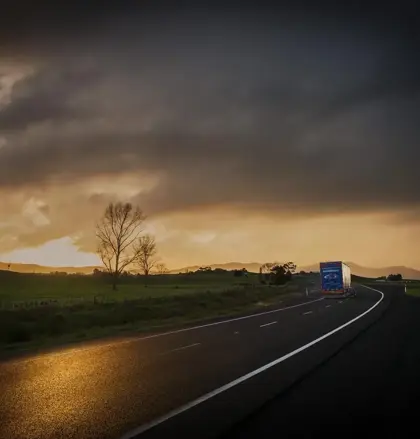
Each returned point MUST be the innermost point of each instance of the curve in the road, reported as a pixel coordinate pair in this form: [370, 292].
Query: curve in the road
[137, 431]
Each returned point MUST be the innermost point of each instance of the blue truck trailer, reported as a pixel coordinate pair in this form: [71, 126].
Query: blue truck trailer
[335, 279]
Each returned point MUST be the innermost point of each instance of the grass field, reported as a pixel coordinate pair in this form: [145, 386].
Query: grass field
[36, 309]
[32, 289]
[360, 279]
[414, 289]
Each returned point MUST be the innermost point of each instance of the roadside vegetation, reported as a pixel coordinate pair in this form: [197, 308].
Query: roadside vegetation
[413, 289]
[133, 291]
[361, 279]
[33, 290]
[63, 308]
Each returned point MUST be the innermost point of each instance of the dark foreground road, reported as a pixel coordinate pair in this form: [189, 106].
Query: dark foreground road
[278, 372]
[369, 387]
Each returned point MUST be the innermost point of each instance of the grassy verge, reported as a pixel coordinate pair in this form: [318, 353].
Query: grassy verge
[33, 290]
[414, 291]
[53, 324]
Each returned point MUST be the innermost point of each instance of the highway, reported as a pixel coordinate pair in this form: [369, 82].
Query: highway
[311, 359]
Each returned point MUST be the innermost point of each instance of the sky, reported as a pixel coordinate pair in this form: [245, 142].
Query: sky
[246, 131]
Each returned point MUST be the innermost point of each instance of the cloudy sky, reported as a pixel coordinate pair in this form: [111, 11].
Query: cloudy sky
[245, 131]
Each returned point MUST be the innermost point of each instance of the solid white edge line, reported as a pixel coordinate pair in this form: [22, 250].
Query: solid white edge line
[328, 306]
[268, 324]
[213, 393]
[306, 313]
[160, 334]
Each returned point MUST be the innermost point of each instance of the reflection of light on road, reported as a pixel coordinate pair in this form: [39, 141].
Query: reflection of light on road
[50, 394]
[54, 395]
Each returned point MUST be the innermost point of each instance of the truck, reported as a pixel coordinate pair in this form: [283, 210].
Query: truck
[336, 279]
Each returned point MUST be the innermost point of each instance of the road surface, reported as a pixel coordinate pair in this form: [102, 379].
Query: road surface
[239, 378]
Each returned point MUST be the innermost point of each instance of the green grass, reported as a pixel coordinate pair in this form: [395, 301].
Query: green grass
[32, 289]
[361, 279]
[84, 320]
[414, 290]
[37, 310]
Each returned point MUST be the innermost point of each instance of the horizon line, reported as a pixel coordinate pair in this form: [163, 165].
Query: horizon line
[206, 265]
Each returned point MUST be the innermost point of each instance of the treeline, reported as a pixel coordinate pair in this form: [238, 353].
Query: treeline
[123, 248]
[201, 271]
[274, 273]
[391, 277]
[394, 277]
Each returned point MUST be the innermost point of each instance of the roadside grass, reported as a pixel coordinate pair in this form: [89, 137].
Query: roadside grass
[33, 290]
[42, 325]
[40, 310]
[414, 290]
[411, 283]
[360, 279]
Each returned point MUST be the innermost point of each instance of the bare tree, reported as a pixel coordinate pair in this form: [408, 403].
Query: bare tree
[146, 252]
[161, 268]
[117, 232]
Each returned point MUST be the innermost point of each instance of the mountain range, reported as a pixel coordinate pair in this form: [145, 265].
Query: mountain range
[34, 268]
[252, 267]
[373, 272]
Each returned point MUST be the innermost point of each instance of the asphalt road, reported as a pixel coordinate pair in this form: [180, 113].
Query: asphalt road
[299, 362]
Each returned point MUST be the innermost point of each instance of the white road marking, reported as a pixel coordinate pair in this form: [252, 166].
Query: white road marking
[306, 313]
[236, 332]
[328, 306]
[340, 301]
[207, 396]
[268, 324]
[181, 348]
[161, 334]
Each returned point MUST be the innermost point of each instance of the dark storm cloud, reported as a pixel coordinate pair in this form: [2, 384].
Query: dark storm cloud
[48, 95]
[281, 107]
[48, 21]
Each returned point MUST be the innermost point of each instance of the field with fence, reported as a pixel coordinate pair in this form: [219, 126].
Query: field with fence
[32, 290]
[36, 308]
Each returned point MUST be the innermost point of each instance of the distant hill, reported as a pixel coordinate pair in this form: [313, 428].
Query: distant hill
[407, 272]
[252, 267]
[34, 268]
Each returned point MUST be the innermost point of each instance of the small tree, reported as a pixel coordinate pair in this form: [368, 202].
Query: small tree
[238, 273]
[280, 274]
[290, 267]
[267, 267]
[266, 271]
[146, 252]
[117, 232]
[241, 272]
[161, 268]
[395, 277]
[205, 269]
[277, 273]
